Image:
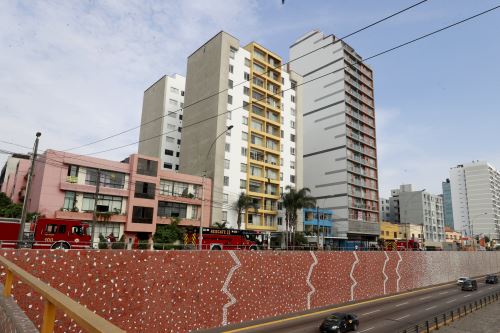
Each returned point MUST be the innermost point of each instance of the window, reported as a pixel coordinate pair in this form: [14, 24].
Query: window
[182, 92]
[105, 203]
[245, 120]
[69, 200]
[244, 151]
[170, 139]
[179, 129]
[226, 164]
[177, 154]
[246, 91]
[174, 90]
[281, 175]
[280, 220]
[144, 190]
[230, 84]
[142, 215]
[172, 209]
[247, 62]
[282, 134]
[227, 147]
[224, 216]
[172, 114]
[243, 184]
[169, 152]
[180, 117]
[292, 164]
[62, 229]
[292, 98]
[73, 171]
[171, 127]
[107, 178]
[292, 124]
[226, 181]
[173, 102]
[246, 76]
[231, 69]
[292, 111]
[178, 141]
[228, 115]
[292, 179]
[245, 105]
[244, 136]
[226, 198]
[243, 167]
[229, 99]
[232, 52]
[147, 167]
[292, 137]
[292, 150]
[51, 229]
[167, 165]
[177, 167]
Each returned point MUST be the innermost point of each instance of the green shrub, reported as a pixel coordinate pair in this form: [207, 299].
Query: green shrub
[103, 244]
[120, 245]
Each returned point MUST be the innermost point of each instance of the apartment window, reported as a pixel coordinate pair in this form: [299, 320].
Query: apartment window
[73, 171]
[182, 92]
[167, 165]
[280, 220]
[228, 133]
[178, 141]
[174, 90]
[231, 69]
[226, 181]
[226, 198]
[292, 124]
[246, 91]
[243, 184]
[69, 200]
[247, 62]
[292, 137]
[182, 105]
[232, 52]
[105, 203]
[179, 129]
[281, 175]
[292, 150]
[246, 76]
[292, 98]
[224, 216]
[292, 112]
[244, 136]
[292, 179]
[281, 147]
[230, 84]
[244, 151]
[229, 99]
[170, 139]
[147, 167]
[292, 165]
[142, 215]
[173, 102]
[245, 120]
[281, 162]
[228, 115]
[226, 164]
[177, 154]
[282, 120]
[172, 209]
[144, 190]
[282, 134]
[171, 126]
[395, 235]
[177, 167]
[243, 167]
[172, 114]
[227, 147]
[169, 152]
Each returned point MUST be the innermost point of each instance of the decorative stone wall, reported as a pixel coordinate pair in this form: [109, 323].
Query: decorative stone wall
[179, 291]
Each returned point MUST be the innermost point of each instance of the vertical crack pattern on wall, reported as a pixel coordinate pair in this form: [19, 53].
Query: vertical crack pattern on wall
[397, 271]
[232, 299]
[313, 290]
[354, 282]
[383, 271]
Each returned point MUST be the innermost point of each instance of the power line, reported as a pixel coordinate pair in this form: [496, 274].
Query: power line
[351, 65]
[251, 77]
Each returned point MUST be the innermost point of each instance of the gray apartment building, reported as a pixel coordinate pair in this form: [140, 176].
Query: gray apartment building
[340, 154]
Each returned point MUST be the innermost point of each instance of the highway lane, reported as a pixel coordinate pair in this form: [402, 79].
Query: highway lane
[389, 314]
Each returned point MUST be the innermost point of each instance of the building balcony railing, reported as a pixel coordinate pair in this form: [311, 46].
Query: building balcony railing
[362, 161]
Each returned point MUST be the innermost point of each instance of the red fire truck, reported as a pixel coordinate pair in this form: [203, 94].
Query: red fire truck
[222, 239]
[409, 245]
[45, 234]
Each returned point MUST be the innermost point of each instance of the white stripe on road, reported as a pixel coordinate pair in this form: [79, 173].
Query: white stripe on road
[444, 292]
[366, 314]
[367, 329]
[400, 304]
[490, 288]
[402, 317]
[432, 307]
[426, 297]
[467, 295]
[451, 300]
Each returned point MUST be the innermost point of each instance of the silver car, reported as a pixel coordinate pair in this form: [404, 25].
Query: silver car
[461, 280]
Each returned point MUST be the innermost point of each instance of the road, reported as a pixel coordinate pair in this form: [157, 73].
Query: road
[388, 314]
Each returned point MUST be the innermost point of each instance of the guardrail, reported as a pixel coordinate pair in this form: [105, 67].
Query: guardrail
[55, 300]
[444, 318]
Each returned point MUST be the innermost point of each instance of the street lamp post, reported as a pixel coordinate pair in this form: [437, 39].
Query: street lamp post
[200, 237]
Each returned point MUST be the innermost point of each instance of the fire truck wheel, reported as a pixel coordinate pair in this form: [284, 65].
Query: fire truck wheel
[216, 247]
[60, 245]
[253, 248]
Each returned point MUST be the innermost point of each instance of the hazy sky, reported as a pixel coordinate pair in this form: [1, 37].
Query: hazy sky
[77, 70]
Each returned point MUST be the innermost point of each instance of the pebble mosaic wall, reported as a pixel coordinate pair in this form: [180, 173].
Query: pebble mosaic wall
[181, 291]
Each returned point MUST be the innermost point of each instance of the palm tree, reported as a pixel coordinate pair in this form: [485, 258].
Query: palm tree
[242, 204]
[220, 225]
[293, 201]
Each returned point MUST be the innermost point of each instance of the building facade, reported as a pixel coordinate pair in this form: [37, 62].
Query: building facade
[385, 210]
[14, 177]
[475, 196]
[135, 195]
[340, 152]
[318, 219]
[261, 154]
[447, 204]
[162, 111]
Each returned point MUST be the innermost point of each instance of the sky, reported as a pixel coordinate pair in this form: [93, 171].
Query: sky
[76, 71]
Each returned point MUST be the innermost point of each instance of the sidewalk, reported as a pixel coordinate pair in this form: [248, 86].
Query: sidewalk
[486, 320]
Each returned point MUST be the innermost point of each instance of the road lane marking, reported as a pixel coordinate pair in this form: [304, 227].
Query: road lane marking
[490, 288]
[467, 295]
[444, 292]
[451, 300]
[366, 314]
[402, 317]
[430, 308]
[401, 304]
[367, 329]
[426, 297]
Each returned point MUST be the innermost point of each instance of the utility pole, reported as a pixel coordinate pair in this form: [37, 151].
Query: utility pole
[24, 212]
[200, 237]
[94, 215]
[317, 217]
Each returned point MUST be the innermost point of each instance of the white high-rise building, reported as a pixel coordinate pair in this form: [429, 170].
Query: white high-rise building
[261, 154]
[162, 111]
[475, 196]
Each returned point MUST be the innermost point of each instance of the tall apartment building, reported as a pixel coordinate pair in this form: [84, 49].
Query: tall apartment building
[475, 194]
[385, 210]
[447, 204]
[162, 111]
[261, 154]
[394, 209]
[340, 154]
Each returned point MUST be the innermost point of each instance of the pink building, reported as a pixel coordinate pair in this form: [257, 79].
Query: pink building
[14, 176]
[134, 195]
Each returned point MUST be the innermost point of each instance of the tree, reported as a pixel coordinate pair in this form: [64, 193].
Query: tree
[220, 225]
[167, 233]
[243, 203]
[293, 201]
[4, 200]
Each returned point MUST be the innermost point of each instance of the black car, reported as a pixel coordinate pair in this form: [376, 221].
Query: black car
[469, 285]
[339, 322]
[491, 279]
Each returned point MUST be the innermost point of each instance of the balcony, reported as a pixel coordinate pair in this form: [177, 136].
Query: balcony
[87, 216]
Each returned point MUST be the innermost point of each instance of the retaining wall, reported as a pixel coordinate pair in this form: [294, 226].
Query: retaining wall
[179, 291]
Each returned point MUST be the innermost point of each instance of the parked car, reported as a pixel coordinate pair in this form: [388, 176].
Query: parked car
[469, 285]
[461, 280]
[491, 279]
[339, 322]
